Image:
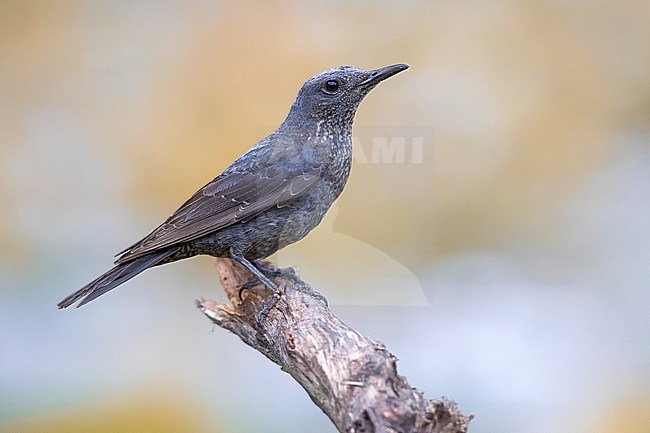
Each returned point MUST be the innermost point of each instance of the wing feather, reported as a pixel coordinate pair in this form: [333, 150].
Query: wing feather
[226, 200]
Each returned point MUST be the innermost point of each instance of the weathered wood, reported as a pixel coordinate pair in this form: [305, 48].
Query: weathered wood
[352, 378]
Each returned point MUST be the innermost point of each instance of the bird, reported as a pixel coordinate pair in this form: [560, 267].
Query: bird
[270, 197]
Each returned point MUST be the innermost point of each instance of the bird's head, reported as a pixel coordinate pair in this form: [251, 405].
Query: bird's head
[334, 95]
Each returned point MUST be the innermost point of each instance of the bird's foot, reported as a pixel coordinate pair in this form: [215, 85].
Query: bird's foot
[270, 302]
[257, 281]
[308, 290]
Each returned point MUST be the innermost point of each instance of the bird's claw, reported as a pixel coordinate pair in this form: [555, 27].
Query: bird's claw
[268, 306]
[248, 285]
[256, 281]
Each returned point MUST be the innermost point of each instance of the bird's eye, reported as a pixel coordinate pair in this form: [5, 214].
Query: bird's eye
[331, 86]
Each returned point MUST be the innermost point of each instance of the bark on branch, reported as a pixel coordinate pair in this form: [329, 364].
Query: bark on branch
[352, 378]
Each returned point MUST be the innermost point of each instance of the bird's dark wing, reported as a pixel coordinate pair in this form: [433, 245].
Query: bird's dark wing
[226, 200]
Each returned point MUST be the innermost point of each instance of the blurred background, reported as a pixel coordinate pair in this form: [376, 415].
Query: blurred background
[494, 233]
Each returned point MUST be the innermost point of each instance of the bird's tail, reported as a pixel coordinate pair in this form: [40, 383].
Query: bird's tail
[116, 276]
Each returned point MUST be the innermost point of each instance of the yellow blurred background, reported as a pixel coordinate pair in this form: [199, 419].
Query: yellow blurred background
[508, 268]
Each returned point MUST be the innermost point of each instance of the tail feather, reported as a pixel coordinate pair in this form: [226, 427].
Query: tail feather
[116, 276]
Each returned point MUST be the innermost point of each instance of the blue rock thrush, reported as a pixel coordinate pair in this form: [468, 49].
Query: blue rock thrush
[270, 197]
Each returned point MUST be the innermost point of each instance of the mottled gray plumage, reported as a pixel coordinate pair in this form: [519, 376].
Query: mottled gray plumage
[271, 196]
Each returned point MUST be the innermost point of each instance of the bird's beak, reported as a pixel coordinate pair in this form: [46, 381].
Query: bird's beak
[382, 73]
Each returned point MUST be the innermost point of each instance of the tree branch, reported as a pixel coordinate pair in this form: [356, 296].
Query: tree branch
[352, 378]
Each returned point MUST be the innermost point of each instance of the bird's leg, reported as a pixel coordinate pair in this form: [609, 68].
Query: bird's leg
[275, 272]
[264, 279]
[255, 271]
[255, 281]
